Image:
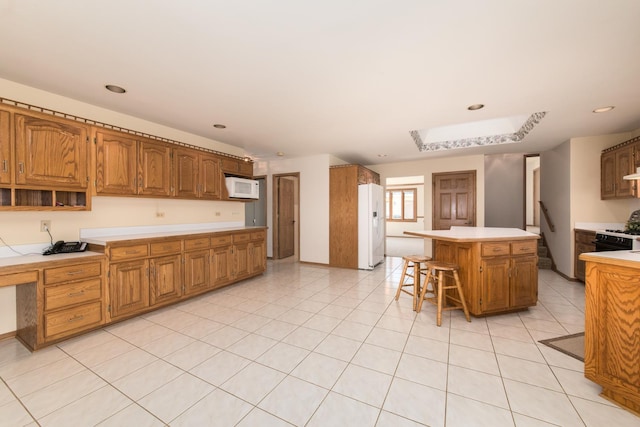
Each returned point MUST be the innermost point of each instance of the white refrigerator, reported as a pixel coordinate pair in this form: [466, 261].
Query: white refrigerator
[370, 226]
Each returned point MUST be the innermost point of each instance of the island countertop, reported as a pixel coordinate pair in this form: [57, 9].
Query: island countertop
[620, 258]
[475, 234]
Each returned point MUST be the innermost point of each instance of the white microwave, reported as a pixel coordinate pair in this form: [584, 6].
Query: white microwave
[242, 188]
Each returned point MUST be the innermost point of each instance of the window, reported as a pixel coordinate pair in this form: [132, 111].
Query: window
[401, 205]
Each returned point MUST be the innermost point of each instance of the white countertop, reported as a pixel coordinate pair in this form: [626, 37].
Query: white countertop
[626, 256]
[103, 240]
[475, 234]
[33, 259]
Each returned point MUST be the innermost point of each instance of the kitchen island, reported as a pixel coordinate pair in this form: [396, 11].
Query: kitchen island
[498, 266]
[612, 325]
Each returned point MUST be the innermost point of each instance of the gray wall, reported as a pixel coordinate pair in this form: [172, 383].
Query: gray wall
[555, 183]
[504, 190]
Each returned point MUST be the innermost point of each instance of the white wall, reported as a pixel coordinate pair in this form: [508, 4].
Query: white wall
[20, 228]
[426, 168]
[314, 203]
[532, 163]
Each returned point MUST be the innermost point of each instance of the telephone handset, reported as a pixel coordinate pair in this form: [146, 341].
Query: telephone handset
[61, 247]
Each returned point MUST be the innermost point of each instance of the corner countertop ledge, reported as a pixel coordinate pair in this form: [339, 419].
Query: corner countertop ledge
[475, 234]
[619, 258]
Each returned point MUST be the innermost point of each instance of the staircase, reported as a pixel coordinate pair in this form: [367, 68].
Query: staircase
[544, 262]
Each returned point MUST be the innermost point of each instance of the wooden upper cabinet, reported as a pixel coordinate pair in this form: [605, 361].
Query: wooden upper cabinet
[154, 164]
[116, 163]
[616, 162]
[185, 167]
[126, 165]
[196, 174]
[5, 148]
[237, 167]
[210, 177]
[51, 152]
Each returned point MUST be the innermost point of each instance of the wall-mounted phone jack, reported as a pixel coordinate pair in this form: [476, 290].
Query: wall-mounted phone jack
[45, 225]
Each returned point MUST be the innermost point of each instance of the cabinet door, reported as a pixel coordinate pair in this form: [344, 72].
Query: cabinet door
[166, 279]
[241, 260]
[258, 257]
[116, 163]
[50, 152]
[185, 163]
[154, 163]
[221, 265]
[210, 177]
[624, 166]
[196, 271]
[495, 284]
[608, 175]
[5, 149]
[524, 281]
[129, 287]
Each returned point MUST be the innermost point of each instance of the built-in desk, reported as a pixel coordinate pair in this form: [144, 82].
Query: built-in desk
[57, 296]
[498, 266]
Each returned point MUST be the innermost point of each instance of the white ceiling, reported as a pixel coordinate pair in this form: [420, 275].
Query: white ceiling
[346, 77]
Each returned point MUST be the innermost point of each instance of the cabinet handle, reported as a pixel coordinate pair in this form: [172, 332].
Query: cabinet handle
[76, 318]
[5, 168]
[76, 294]
[21, 167]
[73, 273]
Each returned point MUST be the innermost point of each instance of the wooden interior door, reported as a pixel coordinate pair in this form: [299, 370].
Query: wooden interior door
[286, 218]
[454, 199]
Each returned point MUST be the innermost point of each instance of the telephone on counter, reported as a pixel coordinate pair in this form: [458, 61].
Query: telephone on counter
[61, 247]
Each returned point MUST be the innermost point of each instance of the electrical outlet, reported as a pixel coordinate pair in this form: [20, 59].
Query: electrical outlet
[217, 213]
[45, 225]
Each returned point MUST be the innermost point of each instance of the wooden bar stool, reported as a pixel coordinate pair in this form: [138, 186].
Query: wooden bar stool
[412, 269]
[442, 270]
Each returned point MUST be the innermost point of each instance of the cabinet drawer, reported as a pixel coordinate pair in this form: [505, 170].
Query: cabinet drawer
[199, 243]
[495, 249]
[239, 238]
[164, 248]
[221, 240]
[257, 235]
[71, 272]
[65, 295]
[128, 252]
[524, 247]
[67, 322]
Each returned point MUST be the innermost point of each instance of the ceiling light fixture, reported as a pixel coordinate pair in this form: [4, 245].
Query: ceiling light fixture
[604, 109]
[219, 126]
[474, 107]
[280, 153]
[382, 155]
[115, 88]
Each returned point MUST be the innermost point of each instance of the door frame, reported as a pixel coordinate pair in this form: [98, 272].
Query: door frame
[525, 200]
[274, 214]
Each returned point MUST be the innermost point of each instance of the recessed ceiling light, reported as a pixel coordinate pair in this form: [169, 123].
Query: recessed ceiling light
[280, 153]
[604, 109]
[115, 89]
[475, 107]
[219, 126]
[382, 155]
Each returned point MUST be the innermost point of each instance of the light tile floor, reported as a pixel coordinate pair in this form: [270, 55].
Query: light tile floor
[316, 346]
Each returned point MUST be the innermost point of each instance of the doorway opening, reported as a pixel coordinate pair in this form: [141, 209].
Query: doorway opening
[255, 212]
[286, 214]
[532, 193]
[404, 211]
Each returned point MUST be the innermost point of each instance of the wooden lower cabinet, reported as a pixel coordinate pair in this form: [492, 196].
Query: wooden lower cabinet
[166, 282]
[170, 269]
[128, 287]
[583, 244]
[612, 330]
[496, 277]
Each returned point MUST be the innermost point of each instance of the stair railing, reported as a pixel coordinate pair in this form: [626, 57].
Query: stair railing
[547, 218]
